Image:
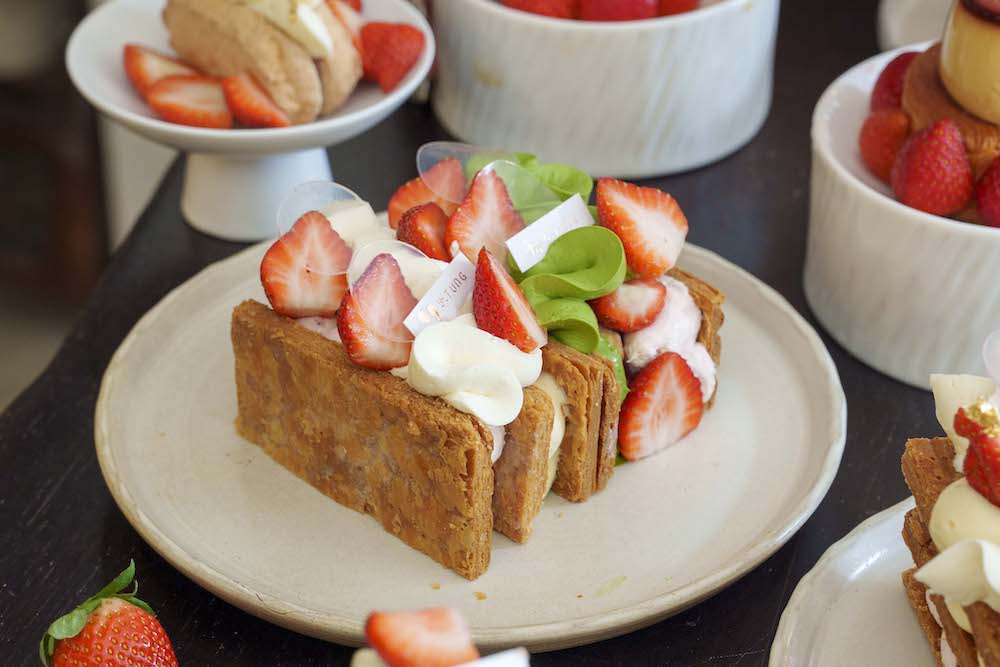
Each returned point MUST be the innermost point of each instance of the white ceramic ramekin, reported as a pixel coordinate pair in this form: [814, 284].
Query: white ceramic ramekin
[630, 99]
[907, 292]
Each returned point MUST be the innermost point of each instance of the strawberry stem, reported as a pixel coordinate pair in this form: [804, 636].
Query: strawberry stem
[72, 623]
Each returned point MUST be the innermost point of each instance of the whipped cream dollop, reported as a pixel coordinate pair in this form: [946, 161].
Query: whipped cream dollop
[675, 329]
[472, 370]
[300, 20]
[547, 383]
[961, 513]
[357, 224]
[952, 392]
[965, 573]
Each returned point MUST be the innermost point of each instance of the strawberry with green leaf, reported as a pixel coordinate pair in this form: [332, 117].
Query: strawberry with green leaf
[113, 628]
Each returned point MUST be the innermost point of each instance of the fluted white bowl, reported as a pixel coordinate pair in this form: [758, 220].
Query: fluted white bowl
[906, 292]
[632, 99]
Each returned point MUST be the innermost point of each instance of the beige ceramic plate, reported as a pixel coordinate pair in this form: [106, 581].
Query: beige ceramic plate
[667, 533]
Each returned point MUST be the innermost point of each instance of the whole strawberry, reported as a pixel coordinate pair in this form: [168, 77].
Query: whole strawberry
[888, 90]
[988, 195]
[110, 629]
[932, 171]
[883, 134]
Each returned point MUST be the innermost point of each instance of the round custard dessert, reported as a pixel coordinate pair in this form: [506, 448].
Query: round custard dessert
[970, 57]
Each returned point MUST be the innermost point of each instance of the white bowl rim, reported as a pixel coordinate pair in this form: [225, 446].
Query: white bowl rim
[390, 101]
[702, 13]
[822, 135]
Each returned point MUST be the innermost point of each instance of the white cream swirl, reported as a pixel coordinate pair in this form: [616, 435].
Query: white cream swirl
[965, 573]
[472, 370]
[300, 20]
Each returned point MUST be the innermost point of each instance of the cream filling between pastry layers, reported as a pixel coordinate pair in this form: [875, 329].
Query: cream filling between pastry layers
[547, 383]
[675, 329]
[300, 20]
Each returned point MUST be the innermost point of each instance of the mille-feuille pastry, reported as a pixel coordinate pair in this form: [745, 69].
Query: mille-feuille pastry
[382, 410]
[298, 51]
[953, 532]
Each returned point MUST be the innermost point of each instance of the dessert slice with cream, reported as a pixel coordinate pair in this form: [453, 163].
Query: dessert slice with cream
[953, 532]
[447, 398]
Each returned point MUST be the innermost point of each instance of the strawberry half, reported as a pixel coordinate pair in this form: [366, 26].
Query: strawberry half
[144, 67]
[191, 100]
[988, 195]
[304, 273]
[883, 134]
[444, 184]
[486, 218]
[371, 318]
[932, 171]
[649, 222]
[500, 307]
[114, 629]
[250, 104]
[423, 227]
[632, 306]
[617, 10]
[671, 7]
[389, 51]
[428, 638]
[664, 404]
[560, 9]
[888, 90]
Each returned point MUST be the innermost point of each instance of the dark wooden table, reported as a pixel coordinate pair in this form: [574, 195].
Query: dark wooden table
[62, 537]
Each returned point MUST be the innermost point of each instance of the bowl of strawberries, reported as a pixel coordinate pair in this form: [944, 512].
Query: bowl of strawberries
[904, 220]
[622, 87]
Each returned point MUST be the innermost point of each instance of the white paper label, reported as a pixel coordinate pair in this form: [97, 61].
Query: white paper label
[445, 297]
[528, 247]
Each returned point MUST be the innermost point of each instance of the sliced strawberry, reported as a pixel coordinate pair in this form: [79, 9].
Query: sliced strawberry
[664, 404]
[982, 466]
[649, 222]
[145, 67]
[389, 51]
[191, 100]
[428, 638]
[888, 90]
[486, 218]
[966, 426]
[348, 14]
[423, 227]
[617, 10]
[932, 171]
[500, 307]
[883, 134]
[444, 184]
[988, 195]
[632, 306]
[560, 9]
[671, 7]
[370, 322]
[250, 103]
[304, 273]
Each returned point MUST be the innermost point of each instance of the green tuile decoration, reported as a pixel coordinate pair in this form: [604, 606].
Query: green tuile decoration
[72, 623]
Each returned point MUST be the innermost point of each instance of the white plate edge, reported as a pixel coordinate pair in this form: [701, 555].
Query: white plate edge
[788, 625]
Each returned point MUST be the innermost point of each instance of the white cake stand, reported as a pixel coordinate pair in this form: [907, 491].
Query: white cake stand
[235, 179]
